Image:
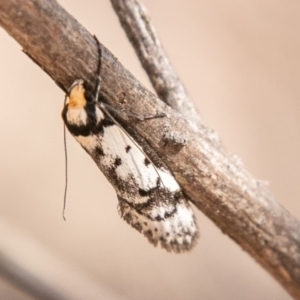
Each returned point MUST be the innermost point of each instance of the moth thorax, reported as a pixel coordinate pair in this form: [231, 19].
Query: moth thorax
[76, 97]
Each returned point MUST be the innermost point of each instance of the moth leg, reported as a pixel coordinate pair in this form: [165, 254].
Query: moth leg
[131, 114]
[109, 107]
[98, 82]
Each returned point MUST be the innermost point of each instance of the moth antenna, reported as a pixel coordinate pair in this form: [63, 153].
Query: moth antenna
[66, 166]
[98, 82]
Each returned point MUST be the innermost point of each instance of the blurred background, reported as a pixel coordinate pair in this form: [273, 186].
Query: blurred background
[240, 62]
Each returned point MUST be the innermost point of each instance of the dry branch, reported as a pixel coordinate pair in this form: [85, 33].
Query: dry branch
[214, 181]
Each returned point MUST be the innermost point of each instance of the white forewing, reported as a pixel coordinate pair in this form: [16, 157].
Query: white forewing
[114, 145]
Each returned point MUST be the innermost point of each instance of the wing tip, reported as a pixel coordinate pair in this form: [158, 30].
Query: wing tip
[176, 246]
[177, 234]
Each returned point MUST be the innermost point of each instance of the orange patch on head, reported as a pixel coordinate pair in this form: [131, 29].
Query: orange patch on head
[76, 96]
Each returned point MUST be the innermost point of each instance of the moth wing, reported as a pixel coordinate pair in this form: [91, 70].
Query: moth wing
[150, 199]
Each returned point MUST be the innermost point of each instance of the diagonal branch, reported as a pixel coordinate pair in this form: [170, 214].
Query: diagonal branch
[216, 182]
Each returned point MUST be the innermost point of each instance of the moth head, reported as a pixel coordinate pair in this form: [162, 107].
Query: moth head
[77, 95]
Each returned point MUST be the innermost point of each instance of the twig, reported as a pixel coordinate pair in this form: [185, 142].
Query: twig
[216, 183]
[136, 22]
[142, 34]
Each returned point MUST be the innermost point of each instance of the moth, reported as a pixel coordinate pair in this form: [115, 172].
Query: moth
[149, 197]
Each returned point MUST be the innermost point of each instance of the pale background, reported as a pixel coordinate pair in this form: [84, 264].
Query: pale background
[240, 62]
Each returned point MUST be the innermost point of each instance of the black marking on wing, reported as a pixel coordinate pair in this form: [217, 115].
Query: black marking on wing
[156, 196]
[92, 126]
[99, 152]
[147, 162]
[159, 197]
[148, 234]
[145, 193]
[106, 122]
[140, 209]
[127, 148]
[76, 130]
[118, 162]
